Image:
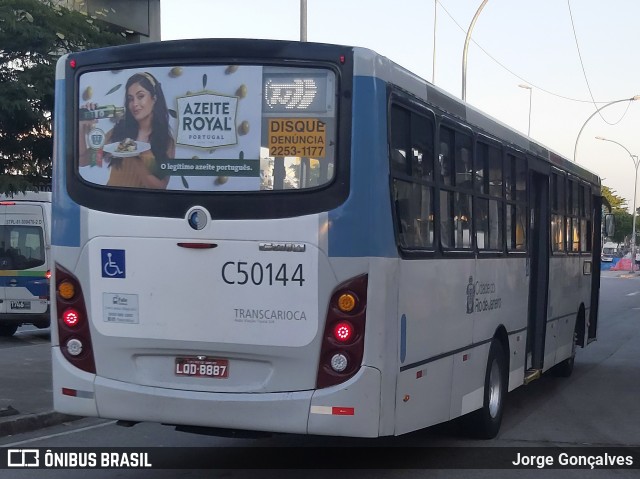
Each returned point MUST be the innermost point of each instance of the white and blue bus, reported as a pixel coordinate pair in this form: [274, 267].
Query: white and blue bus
[304, 238]
[25, 238]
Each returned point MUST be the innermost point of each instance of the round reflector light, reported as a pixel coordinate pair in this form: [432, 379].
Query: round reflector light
[343, 331]
[339, 362]
[346, 302]
[66, 290]
[74, 347]
[71, 317]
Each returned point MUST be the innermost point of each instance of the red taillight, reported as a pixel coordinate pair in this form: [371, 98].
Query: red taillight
[48, 274]
[343, 331]
[342, 347]
[7, 203]
[71, 318]
[72, 63]
[74, 334]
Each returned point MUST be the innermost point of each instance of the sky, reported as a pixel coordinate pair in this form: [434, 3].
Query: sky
[577, 56]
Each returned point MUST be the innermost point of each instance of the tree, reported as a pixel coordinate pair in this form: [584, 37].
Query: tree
[33, 35]
[617, 202]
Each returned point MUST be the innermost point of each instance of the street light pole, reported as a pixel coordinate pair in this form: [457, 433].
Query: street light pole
[303, 20]
[435, 18]
[527, 87]
[575, 148]
[636, 163]
[466, 47]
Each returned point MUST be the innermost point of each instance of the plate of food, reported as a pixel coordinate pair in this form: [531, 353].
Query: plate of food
[126, 148]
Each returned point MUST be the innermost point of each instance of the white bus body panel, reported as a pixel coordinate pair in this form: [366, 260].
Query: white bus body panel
[444, 316]
[138, 321]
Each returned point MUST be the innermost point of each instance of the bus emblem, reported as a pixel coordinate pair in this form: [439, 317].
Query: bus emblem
[197, 219]
[294, 247]
[471, 292]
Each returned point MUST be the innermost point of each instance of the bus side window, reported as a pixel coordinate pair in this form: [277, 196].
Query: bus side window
[557, 213]
[516, 194]
[411, 167]
[456, 189]
[444, 161]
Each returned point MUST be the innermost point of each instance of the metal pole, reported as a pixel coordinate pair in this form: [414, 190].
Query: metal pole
[575, 148]
[529, 127]
[303, 20]
[435, 17]
[466, 47]
[636, 162]
[527, 87]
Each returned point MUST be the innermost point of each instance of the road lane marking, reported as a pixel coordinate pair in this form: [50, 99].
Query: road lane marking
[633, 294]
[65, 433]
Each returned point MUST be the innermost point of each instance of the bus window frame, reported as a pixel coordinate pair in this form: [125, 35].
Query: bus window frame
[562, 201]
[221, 205]
[514, 201]
[458, 127]
[398, 98]
[491, 253]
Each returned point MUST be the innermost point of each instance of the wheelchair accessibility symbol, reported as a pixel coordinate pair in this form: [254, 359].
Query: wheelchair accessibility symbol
[113, 263]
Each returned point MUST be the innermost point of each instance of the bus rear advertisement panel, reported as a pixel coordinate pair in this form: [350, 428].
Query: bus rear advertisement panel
[214, 121]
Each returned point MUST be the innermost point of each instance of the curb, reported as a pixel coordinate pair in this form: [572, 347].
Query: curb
[19, 424]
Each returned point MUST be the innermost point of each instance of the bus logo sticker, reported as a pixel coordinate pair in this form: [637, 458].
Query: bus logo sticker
[113, 263]
[197, 219]
[471, 293]
[482, 297]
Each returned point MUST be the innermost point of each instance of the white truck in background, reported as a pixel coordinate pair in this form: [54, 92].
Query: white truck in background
[609, 251]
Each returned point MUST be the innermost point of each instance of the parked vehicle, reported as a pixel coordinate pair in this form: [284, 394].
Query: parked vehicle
[24, 261]
[609, 251]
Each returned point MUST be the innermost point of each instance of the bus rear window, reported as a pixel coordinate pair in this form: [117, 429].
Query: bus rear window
[211, 128]
[21, 247]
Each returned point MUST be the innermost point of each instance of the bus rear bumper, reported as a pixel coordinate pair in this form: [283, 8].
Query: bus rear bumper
[274, 412]
[350, 409]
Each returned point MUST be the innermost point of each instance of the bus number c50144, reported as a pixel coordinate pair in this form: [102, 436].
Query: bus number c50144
[269, 274]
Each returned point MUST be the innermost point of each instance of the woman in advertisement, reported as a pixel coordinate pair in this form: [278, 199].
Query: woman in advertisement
[138, 141]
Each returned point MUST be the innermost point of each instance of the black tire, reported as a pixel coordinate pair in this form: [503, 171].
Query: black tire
[8, 331]
[485, 422]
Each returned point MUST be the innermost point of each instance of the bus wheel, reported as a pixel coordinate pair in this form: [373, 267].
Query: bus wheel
[6, 331]
[485, 422]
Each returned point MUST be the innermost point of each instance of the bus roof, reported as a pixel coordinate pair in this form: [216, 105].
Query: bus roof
[370, 63]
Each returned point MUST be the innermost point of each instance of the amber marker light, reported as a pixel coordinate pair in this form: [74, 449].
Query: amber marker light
[66, 290]
[346, 302]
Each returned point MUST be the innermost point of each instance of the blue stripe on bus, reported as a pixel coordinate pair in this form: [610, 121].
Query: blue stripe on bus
[38, 286]
[65, 213]
[362, 226]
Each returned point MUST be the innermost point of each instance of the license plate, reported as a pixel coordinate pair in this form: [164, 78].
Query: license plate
[20, 304]
[202, 368]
